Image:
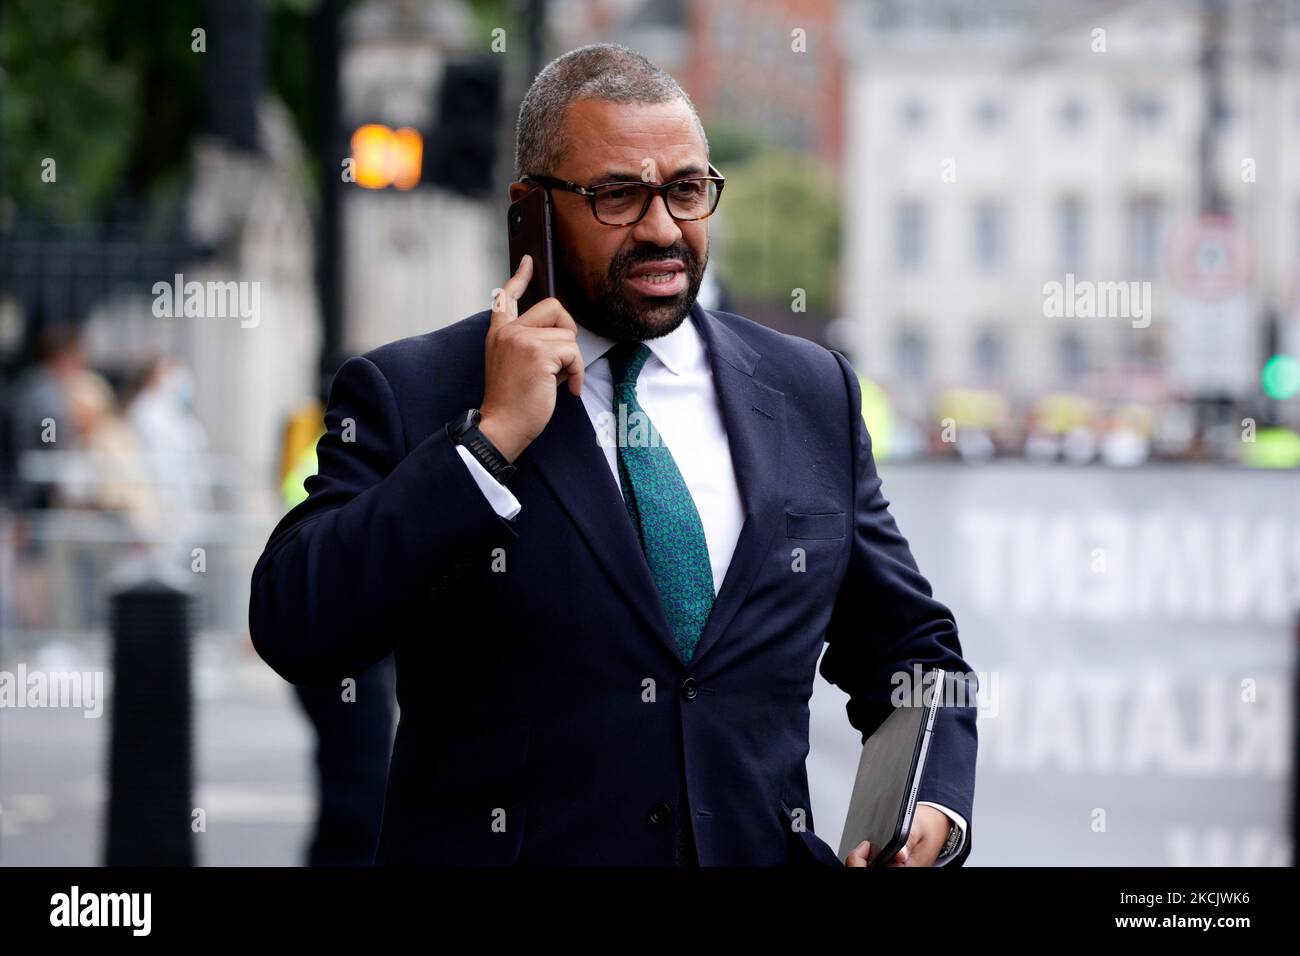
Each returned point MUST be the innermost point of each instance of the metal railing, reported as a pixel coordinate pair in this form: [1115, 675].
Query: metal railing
[59, 566]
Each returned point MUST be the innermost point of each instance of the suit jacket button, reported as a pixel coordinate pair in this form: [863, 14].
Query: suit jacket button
[660, 812]
[690, 688]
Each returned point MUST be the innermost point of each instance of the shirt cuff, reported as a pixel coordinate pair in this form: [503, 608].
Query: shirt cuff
[498, 495]
[958, 821]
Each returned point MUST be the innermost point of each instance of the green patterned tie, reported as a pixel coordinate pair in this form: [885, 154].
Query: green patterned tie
[664, 516]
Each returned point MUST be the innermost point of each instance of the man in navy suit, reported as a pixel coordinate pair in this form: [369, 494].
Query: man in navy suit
[608, 538]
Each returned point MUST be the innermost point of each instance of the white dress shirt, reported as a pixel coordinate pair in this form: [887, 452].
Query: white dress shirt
[675, 388]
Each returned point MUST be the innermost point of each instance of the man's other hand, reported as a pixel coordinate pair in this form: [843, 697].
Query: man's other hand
[929, 833]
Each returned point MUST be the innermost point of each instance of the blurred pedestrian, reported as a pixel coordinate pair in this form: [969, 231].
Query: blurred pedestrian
[105, 474]
[160, 409]
[36, 412]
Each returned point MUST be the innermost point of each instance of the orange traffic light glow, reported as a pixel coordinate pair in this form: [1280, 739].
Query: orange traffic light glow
[385, 157]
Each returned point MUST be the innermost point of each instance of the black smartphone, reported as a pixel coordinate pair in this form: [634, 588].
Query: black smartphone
[529, 223]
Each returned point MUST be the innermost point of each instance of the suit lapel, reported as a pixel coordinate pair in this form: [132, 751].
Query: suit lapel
[570, 460]
[754, 416]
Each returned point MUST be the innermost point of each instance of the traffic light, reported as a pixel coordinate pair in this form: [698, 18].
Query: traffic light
[1281, 377]
[385, 157]
[463, 147]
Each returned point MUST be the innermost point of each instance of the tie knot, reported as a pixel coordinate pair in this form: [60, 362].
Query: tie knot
[626, 360]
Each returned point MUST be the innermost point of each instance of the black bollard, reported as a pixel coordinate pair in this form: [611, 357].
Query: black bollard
[151, 771]
[1295, 745]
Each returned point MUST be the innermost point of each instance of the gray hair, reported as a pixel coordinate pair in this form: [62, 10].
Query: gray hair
[602, 71]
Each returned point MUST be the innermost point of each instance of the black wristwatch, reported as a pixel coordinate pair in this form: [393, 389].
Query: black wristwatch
[463, 430]
[954, 839]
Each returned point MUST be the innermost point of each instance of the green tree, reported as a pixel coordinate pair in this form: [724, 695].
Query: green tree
[731, 143]
[783, 228]
[68, 97]
[113, 92]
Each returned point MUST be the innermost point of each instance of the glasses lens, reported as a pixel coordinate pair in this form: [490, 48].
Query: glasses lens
[622, 204]
[618, 205]
[692, 198]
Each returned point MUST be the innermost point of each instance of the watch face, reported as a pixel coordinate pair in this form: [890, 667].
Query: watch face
[468, 420]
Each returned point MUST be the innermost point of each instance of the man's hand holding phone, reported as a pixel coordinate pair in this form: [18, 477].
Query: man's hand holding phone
[526, 357]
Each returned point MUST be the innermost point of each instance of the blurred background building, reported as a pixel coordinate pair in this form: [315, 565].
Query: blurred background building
[1003, 147]
[1059, 242]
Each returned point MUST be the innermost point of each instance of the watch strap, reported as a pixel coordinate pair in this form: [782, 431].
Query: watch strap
[465, 431]
[953, 841]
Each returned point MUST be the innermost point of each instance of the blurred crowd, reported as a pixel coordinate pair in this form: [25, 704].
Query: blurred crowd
[114, 460]
[1113, 429]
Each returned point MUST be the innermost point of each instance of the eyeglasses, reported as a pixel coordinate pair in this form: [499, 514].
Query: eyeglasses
[626, 203]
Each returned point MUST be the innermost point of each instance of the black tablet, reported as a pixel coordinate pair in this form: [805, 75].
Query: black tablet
[889, 775]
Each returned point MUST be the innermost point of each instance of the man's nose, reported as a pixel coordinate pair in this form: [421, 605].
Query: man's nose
[657, 225]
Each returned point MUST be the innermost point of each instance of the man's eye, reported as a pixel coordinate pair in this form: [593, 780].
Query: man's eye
[688, 189]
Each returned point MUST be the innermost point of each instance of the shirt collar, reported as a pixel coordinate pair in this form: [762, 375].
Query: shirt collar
[675, 349]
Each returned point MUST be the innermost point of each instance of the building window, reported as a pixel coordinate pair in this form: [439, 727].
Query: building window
[1073, 115]
[1224, 111]
[911, 357]
[727, 29]
[1146, 111]
[910, 238]
[990, 115]
[1074, 358]
[1145, 235]
[912, 115]
[1070, 228]
[989, 357]
[990, 236]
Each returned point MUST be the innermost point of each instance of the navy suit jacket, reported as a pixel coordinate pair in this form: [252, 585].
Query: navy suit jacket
[546, 715]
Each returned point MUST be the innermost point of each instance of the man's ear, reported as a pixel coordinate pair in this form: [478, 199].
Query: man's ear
[518, 190]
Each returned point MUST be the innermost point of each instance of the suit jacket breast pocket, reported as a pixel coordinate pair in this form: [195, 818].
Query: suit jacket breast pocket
[814, 526]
